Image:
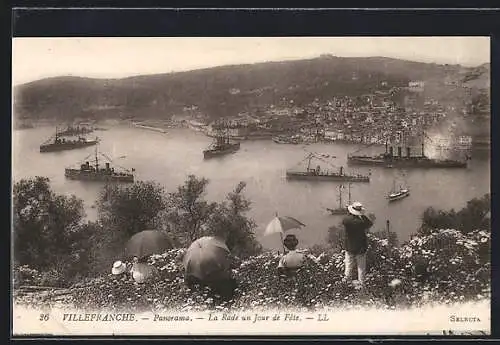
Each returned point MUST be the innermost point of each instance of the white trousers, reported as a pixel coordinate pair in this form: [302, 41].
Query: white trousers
[350, 261]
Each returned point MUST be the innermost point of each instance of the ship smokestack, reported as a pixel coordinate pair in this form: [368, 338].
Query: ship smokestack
[408, 152]
[399, 151]
[391, 151]
[107, 166]
[87, 163]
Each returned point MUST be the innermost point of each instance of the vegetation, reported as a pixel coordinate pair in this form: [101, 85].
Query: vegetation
[259, 84]
[453, 272]
[229, 221]
[191, 214]
[51, 236]
[49, 232]
[472, 217]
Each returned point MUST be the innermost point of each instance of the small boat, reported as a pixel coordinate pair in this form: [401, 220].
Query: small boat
[394, 194]
[342, 209]
[94, 172]
[321, 175]
[281, 139]
[151, 128]
[62, 144]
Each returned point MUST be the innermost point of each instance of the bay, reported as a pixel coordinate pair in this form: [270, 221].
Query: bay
[169, 158]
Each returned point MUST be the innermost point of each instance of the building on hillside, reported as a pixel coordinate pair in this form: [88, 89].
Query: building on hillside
[416, 86]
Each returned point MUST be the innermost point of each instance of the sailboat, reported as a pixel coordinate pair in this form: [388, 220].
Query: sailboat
[342, 209]
[321, 175]
[391, 160]
[94, 172]
[396, 194]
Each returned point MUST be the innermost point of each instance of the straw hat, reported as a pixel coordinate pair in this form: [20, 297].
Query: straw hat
[356, 208]
[118, 268]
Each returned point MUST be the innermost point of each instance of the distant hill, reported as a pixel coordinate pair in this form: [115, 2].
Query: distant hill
[227, 90]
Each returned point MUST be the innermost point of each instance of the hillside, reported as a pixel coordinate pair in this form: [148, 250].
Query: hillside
[443, 267]
[227, 90]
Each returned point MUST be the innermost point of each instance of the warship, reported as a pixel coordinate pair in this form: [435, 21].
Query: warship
[94, 172]
[389, 159]
[318, 174]
[221, 145]
[57, 143]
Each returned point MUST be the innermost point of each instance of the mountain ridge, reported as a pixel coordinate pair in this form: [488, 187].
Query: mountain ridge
[229, 89]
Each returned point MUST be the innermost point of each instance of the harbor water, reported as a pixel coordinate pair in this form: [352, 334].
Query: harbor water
[168, 158]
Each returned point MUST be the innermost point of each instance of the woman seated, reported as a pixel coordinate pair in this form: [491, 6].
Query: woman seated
[292, 260]
[141, 271]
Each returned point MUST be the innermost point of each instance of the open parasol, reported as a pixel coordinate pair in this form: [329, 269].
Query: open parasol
[281, 224]
[148, 242]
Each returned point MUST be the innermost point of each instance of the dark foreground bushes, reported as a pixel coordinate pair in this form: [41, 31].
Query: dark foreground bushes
[445, 266]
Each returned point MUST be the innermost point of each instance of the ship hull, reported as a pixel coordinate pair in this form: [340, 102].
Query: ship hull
[311, 177]
[284, 141]
[75, 174]
[217, 153]
[405, 163]
[337, 211]
[64, 147]
[398, 197]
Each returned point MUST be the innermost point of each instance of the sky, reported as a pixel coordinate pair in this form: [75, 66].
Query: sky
[38, 58]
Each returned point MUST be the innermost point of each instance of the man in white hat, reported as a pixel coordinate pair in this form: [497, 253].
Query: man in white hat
[356, 224]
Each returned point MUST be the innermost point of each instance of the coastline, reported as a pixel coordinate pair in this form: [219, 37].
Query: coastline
[163, 126]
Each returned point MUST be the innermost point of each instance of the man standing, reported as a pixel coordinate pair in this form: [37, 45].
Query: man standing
[356, 225]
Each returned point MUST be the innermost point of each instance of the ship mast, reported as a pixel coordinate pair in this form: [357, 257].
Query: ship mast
[349, 185]
[96, 160]
[423, 133]
[309, 162]
[340, 196]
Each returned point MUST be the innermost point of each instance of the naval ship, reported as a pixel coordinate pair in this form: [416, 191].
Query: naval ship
[57, 143]
[319, 174]
[389, 159]
[97, 172]
[222, 144]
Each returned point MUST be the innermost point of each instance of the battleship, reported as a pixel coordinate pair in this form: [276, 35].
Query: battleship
[389, 160]
[94, 172]
[222, 145]
[342, 209]
[57, 143]
[318, 174]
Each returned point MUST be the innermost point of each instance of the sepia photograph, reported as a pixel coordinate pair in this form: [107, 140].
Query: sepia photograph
[251, 185]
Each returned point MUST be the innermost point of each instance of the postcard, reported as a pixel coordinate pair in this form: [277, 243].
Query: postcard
[251, 185]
